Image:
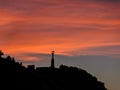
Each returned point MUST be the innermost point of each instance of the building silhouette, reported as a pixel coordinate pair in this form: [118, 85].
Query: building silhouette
[31, 67]
[52, 60]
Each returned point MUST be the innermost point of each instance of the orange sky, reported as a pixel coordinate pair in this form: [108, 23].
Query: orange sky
[64, 26]
[70, 27]
[59, 25]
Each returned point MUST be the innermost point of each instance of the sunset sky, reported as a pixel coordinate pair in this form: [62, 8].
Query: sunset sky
[83, 33]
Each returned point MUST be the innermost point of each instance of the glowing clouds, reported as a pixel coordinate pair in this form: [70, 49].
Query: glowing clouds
[63, 26]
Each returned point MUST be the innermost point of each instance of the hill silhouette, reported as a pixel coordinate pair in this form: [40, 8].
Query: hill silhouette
[14, 76]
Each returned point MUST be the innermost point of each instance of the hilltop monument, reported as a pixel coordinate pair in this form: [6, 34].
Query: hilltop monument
[45, 78]
[52, 60]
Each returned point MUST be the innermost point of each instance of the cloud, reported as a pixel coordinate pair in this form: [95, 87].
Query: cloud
[64, 26]
[37, 37]
[107, 50]
[59, 8]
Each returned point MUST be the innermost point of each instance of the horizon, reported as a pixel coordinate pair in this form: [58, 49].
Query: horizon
[83, 33]
[43, 78]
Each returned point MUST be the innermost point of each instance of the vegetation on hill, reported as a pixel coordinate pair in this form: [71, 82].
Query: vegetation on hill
[13, 75]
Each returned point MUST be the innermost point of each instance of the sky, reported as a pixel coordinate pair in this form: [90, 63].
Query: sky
[83, 33]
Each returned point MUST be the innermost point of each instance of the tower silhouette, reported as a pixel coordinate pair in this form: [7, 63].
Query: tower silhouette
[52, 60]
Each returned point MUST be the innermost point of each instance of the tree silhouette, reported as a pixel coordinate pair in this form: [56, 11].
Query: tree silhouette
[1, 53]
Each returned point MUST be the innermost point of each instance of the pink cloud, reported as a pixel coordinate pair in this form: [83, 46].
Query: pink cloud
[61, 25]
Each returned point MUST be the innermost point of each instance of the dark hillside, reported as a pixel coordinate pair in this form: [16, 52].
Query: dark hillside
[15, 76]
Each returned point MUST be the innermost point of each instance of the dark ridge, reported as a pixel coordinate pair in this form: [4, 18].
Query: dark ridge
[14, 76]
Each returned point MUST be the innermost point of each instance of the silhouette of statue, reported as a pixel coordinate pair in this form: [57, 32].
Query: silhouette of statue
[1, 53]
[52, 60]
